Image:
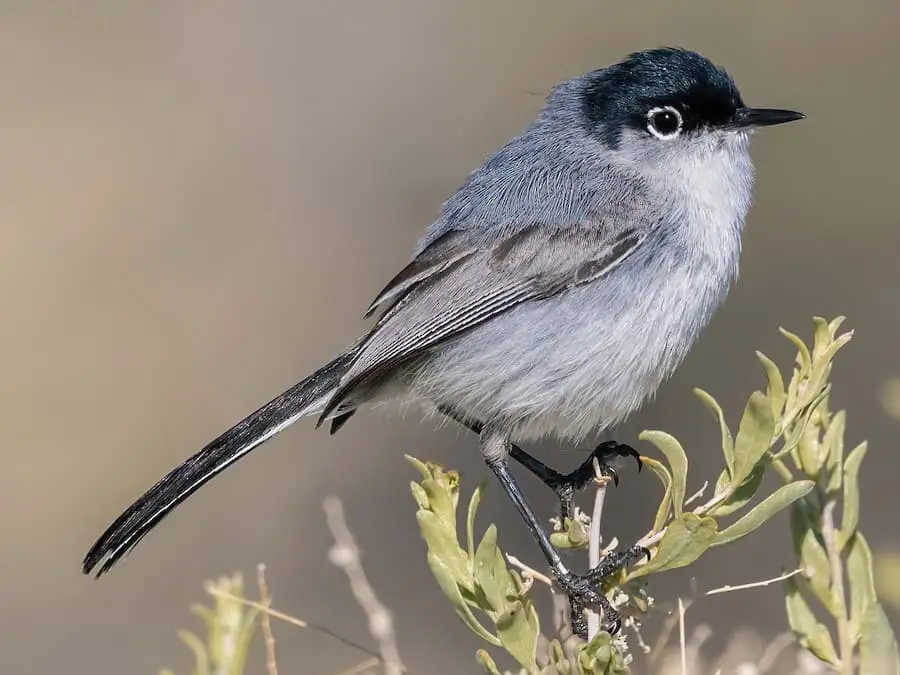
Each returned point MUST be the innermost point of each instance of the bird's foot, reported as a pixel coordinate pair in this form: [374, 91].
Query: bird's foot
[566, 486]
[586, 591]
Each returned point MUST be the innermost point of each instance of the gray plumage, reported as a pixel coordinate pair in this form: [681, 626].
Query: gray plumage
[562, 283]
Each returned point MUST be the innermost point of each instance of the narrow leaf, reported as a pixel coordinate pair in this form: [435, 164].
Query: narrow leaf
[665, 504]
[878, 647]
[727, 441]
[443, 544]
[678, 463]
[811, 634]
[518, 631]
[448, 585]
[802, 350]
[811, 552]
[775, 502]
[754, 437]
[742, 495]
[485, 661]
[685, 540]
[834, 443]
[201, 657]
[775, 388]
[850, 519]
[470, 519]
[491, 575]
[861, 578]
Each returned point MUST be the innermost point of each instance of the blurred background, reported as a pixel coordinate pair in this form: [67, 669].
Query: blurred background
[197, 202]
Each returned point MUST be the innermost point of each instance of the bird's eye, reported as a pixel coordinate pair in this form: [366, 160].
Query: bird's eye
[664, 122]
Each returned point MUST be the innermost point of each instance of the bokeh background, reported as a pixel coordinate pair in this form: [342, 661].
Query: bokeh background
[197, 202]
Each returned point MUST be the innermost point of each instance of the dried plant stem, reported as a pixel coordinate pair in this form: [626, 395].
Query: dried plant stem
[594, 539]
[361, 667]
[265, 620]
[755, 584]
[287, 618]
[345, 554]
[845, 635]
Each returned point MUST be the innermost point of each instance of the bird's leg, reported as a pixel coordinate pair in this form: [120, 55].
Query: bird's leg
[566, 486]
[583, 591]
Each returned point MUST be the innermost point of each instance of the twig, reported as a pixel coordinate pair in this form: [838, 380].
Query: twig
[681, 637]
[264, 620]
[775, 649]
[755, 584]
[345, 554]
[845, 637]
[593, 617]
[528, 572]
[360, 667]
[287, 618]
[699, 493]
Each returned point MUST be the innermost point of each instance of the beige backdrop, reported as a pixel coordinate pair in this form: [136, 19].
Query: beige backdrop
[197, 201]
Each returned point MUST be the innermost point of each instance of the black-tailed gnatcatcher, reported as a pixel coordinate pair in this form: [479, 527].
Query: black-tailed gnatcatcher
[561, 284]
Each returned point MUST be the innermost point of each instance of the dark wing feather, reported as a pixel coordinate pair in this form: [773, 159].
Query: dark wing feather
[536, 263]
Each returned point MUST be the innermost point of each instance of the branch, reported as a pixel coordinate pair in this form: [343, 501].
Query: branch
[345, 554]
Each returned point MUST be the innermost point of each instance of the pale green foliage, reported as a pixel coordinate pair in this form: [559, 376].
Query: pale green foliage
[230, 626]
[784, 425]
[788, 429]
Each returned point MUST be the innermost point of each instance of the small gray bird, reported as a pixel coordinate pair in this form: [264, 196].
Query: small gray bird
[561, 284]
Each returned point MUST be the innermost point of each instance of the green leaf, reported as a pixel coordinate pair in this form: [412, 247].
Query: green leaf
[448, 585]
[442, 543]
[518, 631]
[754, 437]
[678, 464]
[470, 518]
[420, 466]
[802, 350]
[558, 659]
[485, 661]
[834, 442]
[775, 389]
[878, 646]
[861, 579]
[775, 502]
[794, 435]
[727, 441]
[491, 575]
[809, 450]
[440, 501]
[685, 540]
[662, 512]
[850, 518]
[201, 657]
[811, 552]
[811, 634]
[742, 495]
[419, 494]
[573, 535]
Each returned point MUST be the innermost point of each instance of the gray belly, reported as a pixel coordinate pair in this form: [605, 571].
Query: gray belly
[574, 364]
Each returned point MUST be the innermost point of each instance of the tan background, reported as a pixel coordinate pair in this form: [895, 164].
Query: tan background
[197, 201]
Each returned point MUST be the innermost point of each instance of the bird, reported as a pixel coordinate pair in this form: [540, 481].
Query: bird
[558, 288]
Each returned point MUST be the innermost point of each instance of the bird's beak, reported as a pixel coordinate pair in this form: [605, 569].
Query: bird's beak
[764, 117]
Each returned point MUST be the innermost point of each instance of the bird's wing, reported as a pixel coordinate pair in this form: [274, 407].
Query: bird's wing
[454, 285]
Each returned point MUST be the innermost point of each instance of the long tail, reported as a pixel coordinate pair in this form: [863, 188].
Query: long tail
[304, 398]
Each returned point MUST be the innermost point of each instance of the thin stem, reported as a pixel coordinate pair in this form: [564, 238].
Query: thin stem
[845, 635]
[345, 554]
[594, 551]
[265, 620]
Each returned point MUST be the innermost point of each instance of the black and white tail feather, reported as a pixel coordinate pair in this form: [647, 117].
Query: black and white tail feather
[305, 398]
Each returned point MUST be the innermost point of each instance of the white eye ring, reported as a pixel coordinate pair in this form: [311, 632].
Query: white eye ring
[664, 114]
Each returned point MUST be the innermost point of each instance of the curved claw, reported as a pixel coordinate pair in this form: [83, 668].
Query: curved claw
[614, 626]
[612, 473]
